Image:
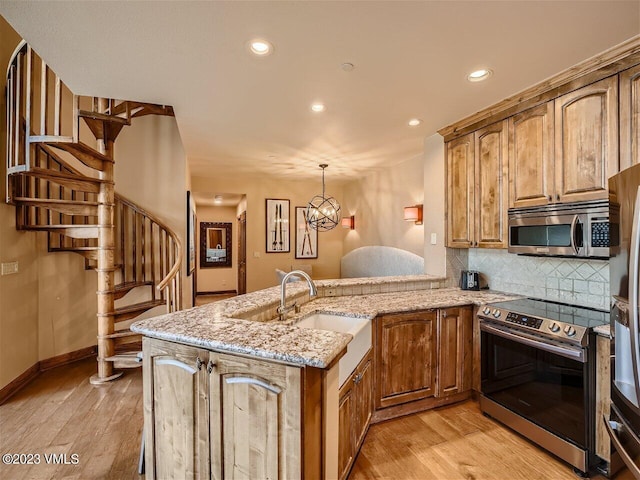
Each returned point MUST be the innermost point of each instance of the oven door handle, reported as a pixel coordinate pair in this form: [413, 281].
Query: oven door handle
[567, 352]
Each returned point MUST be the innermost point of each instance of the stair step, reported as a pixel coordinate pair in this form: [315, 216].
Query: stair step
[131, 311]
[70, 180]
[139, 109]
[90, 253]
[102, 125]
[72, 231]
[87, 155]
[67, 207]
[126, 359]
[124, 288]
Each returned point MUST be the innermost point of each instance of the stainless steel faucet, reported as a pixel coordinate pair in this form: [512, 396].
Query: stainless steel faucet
[283, 309]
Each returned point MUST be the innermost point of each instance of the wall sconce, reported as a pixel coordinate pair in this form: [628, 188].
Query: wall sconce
[413, 214]
[349, 222]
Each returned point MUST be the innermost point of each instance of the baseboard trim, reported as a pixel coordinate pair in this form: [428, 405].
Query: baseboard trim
[19, 383]
[67, 358]
[32, 372]
[218, 292]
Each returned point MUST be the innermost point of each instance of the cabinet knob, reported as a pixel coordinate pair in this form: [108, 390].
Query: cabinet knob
[210, 366]
[199, 363]
[550, 198]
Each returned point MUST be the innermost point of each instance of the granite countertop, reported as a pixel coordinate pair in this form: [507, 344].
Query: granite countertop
[213, 327]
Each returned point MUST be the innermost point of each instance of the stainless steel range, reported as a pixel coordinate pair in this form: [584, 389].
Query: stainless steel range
[538, 374]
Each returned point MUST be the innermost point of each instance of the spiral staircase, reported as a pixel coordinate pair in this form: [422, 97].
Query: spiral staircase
[64, 187]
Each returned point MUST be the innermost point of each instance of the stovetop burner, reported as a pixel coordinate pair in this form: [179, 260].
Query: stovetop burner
[552, 320]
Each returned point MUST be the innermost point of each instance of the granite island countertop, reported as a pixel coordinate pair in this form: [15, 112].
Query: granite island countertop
[217, 327]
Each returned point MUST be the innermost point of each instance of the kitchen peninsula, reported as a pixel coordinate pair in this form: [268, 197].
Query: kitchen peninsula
[229, 389]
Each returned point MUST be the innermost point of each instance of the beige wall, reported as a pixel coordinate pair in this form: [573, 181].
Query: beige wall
[150, 170]
[434, 184]
[218, 279]
[378, 200]
[261, 265]
[18, 292]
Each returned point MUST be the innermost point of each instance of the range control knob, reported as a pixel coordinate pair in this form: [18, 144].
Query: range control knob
[554, 327]
[486, 310]
[569, 330]
[497, 313]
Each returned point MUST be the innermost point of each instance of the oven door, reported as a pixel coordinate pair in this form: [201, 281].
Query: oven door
[549, 234]
[542, 382]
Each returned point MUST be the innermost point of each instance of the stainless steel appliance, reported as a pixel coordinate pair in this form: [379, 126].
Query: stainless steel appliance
[469, 280]
[569, 229]
[538, 374]
[624, 423]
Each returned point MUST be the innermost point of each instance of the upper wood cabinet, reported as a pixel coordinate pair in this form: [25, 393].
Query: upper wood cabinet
[405, 356]
[531, 165]
[629, 117]
[586, 141]
[476, 188]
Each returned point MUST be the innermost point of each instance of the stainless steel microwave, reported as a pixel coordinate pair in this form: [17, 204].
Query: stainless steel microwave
[566, 229]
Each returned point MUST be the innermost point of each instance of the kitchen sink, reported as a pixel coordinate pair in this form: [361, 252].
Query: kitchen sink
[360, 328]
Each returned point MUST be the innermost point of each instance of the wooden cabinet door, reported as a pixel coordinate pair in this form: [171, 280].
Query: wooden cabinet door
[460, 215]
[586, 141]
[531, 165]
[455, 350]
[364, 399]
[405, 357]
[491, 186]
[176, 413]
[629, 117]
[346, 434]
[255, 419]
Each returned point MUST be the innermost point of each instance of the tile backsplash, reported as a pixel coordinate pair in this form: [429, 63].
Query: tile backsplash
[568, 280]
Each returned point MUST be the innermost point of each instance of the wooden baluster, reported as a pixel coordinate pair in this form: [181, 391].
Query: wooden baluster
[43, 98]
[76, 118]
[18, 107]
[11, 146]
[57, 110]
[153, 262]
[29, 99]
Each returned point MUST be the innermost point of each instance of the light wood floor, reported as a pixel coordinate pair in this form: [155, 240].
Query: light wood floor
[60, 412]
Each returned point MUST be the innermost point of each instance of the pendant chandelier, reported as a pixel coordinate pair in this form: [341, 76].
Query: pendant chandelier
[323, 213]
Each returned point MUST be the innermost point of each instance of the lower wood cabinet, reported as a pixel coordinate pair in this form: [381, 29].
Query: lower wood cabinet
[354, 411]
[213, 415]
[422, 355]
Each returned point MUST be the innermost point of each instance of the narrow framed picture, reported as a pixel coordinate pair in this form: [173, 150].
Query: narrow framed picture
[277, 225]
[191, 233]
[306, 237]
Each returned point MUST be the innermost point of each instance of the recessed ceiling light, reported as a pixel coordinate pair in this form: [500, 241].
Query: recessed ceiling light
[414, 122]
[217, 199]
[347, 66]
[318, 107]
[479, 75]
[260, 47]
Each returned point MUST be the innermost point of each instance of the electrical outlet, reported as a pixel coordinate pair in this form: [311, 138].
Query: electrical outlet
[256, 254]
[9, 268]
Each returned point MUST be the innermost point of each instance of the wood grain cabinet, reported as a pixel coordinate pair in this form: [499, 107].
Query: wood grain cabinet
[586, 141]
[212, 415]
[477, 188]
[355, 409]
[455, 351]
[405, 357]
[531, 162]
[629, 117]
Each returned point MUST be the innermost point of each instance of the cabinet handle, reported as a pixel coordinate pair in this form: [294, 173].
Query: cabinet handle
[550, 198]
[557, 196]
[210, 366]
[199, 363]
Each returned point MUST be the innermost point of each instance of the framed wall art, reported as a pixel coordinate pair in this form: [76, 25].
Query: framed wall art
[306, 237]
[191, 233]
[277, 222]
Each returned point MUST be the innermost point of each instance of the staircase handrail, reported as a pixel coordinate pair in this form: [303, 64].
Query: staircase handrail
[175, 269]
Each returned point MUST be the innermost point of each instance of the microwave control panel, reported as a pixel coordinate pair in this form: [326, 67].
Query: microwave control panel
[600, 234]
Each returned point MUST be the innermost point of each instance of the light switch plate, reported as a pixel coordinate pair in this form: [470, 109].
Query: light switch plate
[9, 267]
[433, 239]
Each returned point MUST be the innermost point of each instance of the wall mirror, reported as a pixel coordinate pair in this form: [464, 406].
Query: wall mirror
[215, 244]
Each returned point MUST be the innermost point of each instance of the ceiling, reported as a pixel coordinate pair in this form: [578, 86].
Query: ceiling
[241, 114]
